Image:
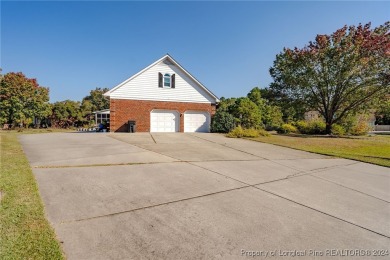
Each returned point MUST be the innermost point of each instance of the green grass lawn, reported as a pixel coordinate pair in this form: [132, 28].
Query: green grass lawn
[25, 233]
[371, 149]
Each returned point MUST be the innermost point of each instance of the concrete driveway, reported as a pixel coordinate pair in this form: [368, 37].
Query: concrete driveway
[204, 196]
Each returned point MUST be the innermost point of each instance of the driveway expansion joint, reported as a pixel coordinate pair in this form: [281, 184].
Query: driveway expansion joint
[227, 146]
[153, 138]
[327, 214]
[94, 165]
[346, 187]
[155, 205]
[147, 149]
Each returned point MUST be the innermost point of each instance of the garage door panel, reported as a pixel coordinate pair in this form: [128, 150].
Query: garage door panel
[164, 121]
[196, 121]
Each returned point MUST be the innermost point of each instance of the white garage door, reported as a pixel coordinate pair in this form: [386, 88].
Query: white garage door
[196, 121]
[164, 121]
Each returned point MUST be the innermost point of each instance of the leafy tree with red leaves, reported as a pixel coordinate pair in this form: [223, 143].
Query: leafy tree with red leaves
[337, 74]
[22, 99]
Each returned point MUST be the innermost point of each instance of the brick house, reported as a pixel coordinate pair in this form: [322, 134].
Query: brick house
[163, 97]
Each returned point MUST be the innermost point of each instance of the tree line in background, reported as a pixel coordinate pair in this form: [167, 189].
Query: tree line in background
[24, 103]
[343, 77]
[70, 113]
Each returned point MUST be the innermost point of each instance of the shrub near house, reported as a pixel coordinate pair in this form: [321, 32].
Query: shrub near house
[222, 122]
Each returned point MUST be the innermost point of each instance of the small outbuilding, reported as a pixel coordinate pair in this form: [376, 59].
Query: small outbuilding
[163, 97]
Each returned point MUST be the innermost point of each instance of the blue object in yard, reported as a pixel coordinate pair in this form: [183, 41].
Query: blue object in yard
[101, 126]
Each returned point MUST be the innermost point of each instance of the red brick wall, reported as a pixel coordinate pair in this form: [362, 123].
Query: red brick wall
[122, 110]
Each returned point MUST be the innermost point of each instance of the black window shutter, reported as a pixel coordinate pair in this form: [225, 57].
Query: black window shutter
[160, 80]
[173, 81]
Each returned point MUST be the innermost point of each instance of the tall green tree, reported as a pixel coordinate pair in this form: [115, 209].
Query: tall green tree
[271, 115]
[226, 104]
[95, 100]
[22, 99]
[66, 113]
[337, 74]
[292, 109]
[247, 113]
[255, 96]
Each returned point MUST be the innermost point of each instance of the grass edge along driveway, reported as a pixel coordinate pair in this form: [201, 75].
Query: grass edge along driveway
[370, 149]
[25, 232]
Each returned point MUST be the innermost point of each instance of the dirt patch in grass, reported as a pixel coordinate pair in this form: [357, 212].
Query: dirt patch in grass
[25, 232]
[371, 149]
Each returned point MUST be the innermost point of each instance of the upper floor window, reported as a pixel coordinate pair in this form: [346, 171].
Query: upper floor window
[167, 80]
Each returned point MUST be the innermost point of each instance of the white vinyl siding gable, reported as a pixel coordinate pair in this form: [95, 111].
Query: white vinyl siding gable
[145, 87]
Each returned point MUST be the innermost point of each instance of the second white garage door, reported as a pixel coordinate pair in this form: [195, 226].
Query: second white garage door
[196, 121]
[164, 121]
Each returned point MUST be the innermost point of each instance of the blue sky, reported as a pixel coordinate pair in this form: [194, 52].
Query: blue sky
[73, 47]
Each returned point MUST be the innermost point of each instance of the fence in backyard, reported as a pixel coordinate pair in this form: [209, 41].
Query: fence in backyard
[382, 128]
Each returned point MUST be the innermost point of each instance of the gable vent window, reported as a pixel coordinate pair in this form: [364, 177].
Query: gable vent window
[166, 81]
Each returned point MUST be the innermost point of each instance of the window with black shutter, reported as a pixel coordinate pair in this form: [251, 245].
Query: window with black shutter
[166, 81]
